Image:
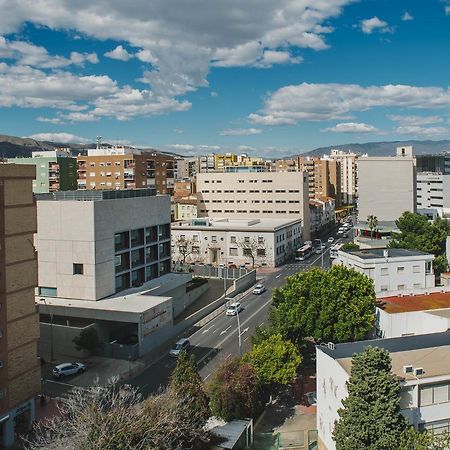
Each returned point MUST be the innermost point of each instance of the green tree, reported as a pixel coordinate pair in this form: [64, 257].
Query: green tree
[423, 440]
[275, 360]
[234, 391]
[350, 246]
[188, 386]
[370, 416]
[87, 340]
[372, 223]
[336, 305]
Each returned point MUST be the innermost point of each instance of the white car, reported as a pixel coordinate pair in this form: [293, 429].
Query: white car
[66, 369]
[182, 344]
[259, 289]
[234, 308]
[331, 239]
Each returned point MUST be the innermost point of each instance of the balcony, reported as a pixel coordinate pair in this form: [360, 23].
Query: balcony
[82, 167]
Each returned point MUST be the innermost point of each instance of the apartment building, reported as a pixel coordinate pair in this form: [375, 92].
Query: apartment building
[232, 162]
[433, 194]
[107, 168]
[185, 208]
[20, 373]
[322, 215]
[386, 186]
[261, 195]
[185, 167]
[56, 170]
[421, 364]
[393, 271]
[234, 241]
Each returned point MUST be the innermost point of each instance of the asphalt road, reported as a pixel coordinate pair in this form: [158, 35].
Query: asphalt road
[219, 339]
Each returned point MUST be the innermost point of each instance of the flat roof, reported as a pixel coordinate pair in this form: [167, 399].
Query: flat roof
[96, 195]
[378, 253]
[246, 224]
[409, 303]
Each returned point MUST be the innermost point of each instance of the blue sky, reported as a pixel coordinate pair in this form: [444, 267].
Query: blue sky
[270, 77]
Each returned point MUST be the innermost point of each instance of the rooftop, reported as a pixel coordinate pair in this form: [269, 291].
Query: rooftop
[379, 253]
[409, 303]
[234, 224]
[95, 195]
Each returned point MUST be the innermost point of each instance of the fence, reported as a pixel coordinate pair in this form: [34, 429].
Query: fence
[287, 440]
[211, 271]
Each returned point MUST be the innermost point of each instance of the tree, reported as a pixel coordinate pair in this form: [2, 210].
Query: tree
[185, 247]
[350, 246]
[253, 248]
[87, 340]
[188, 386]
[372, 223]
[370, 416]
[423, 440]
[275, 360]
[417, 233]
[337, 305]
[234, 391]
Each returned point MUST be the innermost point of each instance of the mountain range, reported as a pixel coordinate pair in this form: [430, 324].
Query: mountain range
[11, 146]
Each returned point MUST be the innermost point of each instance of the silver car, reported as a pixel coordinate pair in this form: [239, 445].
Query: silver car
[66, 369]
[234, 308]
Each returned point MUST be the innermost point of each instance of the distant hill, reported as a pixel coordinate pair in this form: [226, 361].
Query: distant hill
[385, 148]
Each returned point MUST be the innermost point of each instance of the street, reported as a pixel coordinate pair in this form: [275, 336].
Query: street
[219, 339]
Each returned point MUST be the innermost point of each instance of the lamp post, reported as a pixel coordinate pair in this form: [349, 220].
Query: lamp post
[321, 249]
[51, 328]
[239, 333]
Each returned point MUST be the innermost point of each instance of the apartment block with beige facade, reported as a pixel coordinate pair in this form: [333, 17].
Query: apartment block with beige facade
[260, 195]
[20, 371]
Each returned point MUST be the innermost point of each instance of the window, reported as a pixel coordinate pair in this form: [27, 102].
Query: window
[247, 252]
[417, 286]
[260, 239]
[416, 269]
[122, 262]
[384, 271]
[247, 239]
[233, 251]
[434, 394]
[233, 239]
[384, 288]
[47, 291]
[137, 237]
[400, 269]
[261, 252]
[77, 269]
[400, 287]
[213, 238]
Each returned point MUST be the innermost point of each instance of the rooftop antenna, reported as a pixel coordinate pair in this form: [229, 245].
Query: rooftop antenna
[99, 142]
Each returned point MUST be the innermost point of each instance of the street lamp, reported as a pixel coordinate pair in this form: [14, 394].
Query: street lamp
[239, 333]
[51, 328]
[321, 248]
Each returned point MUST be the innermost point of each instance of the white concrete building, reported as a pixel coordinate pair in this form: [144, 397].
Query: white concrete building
[433, 194]
[420, 362]
[406, 315]
[321, 214]
[262, 195]
[222, 241]
[386, 186]
[393, 270]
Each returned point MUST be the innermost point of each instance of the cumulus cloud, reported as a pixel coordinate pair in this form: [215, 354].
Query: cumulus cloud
[418, 131]
[374, 24]
[407, 16]
[415, 120]
[240, 131]
[316, 102]
[352, 127]
[119, 53]
[65, 138]
[81, 58]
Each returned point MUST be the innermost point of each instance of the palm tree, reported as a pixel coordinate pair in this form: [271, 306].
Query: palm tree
[372, 222]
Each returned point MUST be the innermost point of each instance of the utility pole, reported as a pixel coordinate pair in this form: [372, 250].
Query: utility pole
[239, 333]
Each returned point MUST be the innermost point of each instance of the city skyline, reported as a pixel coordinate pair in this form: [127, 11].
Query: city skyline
[269, 78]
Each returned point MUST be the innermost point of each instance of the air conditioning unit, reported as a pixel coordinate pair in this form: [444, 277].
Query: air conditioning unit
[408, 369]
[418, 371]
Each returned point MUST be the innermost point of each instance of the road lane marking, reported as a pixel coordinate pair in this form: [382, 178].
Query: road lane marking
[226, 329]
[278, 276]
[207, 376]
[245, 330]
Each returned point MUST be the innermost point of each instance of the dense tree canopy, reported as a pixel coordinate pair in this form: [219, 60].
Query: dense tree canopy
[370, 417]
[417, 233]
[275, 360]
[336, 305]
[423, 440]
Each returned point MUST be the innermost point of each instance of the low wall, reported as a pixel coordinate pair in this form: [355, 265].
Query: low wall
[181, 304]
[244, 282]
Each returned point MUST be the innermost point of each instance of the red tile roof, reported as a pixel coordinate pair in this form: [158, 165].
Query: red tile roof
[409, 303]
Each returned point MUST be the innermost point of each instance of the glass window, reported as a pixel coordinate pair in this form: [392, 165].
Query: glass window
[122, 282]
[151, 253]
[47, 291]
[261, 252]
[137, 277]
[137, 257]
[164, 231]
[77, 269]
[440, 393]
[151, 272]
[121, 241]
[151, 234]
[213, 238]
[400, 269]
[233, 239]
[426, 396]
[137, 237]
[122, 262]
[233, 252]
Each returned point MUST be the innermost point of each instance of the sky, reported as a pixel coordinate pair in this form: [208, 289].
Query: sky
[266, 77]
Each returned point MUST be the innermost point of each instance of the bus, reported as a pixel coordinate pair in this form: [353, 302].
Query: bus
[303, 252]
[334, 250]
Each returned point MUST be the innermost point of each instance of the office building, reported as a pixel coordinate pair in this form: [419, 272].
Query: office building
[20, 372]
[56, 170]
[433, 163]
[433, 194]
[262, 195]
[393, 270]
[421, 364]
[386, 187]
[228, 241]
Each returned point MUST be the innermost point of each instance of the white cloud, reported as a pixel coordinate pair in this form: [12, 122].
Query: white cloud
[415, 120]
[407, 16]
[81, 58]
[368, 26]
[427, 132]
[316, 102]
[53, 120]
[146, 56]
[447, 10]
[240, 131]
[352, 127]
[214, 94]
[119, 53]
[65, 138]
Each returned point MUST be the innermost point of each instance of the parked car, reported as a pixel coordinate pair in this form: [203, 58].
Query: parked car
[182, 344]
[330, 239]
[345, 234]
[259, 289]
[234, 308]
[66, 369]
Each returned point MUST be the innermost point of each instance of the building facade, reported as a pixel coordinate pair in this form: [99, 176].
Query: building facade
[393, 270]
[20, 372]
[56, 170]
[322, 215]
[433, 194]
[262, 195]
[225, 241]
[185, 208]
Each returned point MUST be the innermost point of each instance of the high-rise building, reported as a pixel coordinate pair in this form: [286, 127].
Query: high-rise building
[20, 373]
[433, 163]
[56, 170]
